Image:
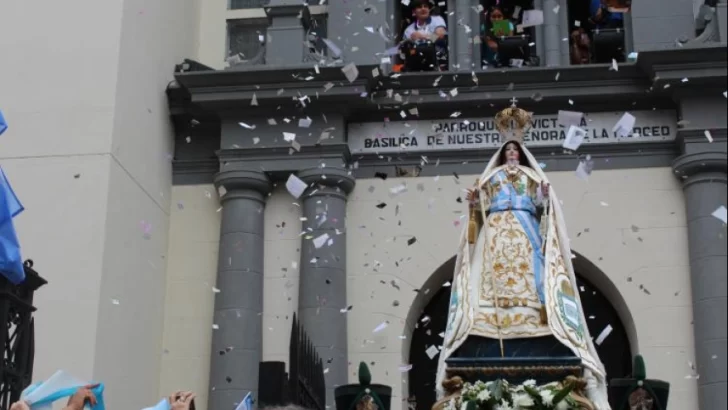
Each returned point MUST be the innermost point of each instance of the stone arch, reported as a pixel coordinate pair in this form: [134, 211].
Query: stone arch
[593, 282]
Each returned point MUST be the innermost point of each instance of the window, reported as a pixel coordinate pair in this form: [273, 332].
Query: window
[424, 54]
[247, 4]
[246, 39]
[505, 43]
[317, 48]
[597, 30]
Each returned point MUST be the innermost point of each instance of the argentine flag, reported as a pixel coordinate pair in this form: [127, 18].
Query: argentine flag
[3, 124]
[247, 403]
[11, 263]
[162, 405]
[41, 396]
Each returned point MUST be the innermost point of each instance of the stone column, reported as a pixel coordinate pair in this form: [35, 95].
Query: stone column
[551, 29]
[704, 183]
[462, 46]
[322, 289]
[540, 34]
[237, 323]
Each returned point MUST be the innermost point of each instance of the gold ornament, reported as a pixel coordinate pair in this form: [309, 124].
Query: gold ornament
[513, 122]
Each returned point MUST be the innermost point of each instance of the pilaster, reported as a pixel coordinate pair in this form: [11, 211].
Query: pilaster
[704, 184]
[322, 292]
[237, 321]
[284, 45]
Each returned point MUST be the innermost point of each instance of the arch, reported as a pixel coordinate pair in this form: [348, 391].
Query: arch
[599, 294]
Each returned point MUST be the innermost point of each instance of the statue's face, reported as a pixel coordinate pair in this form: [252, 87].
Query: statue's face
[512, 153]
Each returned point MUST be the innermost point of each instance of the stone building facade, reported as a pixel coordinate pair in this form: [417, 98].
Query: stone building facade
[168, 241]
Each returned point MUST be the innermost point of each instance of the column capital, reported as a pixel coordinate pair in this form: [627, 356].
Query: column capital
[338, 178]
[250, 184]
[689, 165]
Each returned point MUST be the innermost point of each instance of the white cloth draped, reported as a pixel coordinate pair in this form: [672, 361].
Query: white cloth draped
[559, 275]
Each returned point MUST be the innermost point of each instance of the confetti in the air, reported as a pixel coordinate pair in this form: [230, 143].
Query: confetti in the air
[721, 213]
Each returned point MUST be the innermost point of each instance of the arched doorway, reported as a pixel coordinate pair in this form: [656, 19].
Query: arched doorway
[615, 352]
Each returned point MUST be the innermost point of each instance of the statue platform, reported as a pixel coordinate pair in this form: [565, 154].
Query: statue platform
[514, 369]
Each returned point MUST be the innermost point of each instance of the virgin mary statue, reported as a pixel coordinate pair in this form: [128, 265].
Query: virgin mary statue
[514, 286]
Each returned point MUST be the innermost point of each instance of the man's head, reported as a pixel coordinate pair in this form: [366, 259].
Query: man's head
[421, 9]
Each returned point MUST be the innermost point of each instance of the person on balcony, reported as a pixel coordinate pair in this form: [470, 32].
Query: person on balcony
[602, 17]
[425, 40]
[496, 28]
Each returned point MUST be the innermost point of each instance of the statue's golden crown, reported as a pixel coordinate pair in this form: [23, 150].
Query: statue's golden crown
[512, 123]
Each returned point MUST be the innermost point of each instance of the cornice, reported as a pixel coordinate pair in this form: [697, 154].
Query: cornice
[327, 151]
[275, 86]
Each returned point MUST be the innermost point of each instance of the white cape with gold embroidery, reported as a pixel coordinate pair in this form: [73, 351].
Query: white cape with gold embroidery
[563, 304]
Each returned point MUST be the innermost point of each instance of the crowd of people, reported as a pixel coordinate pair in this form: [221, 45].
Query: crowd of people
[424, 40]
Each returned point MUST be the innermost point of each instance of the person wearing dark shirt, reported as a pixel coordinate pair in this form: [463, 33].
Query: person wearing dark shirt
[602, 18]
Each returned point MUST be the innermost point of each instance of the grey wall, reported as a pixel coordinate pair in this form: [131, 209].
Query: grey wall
[658, 24]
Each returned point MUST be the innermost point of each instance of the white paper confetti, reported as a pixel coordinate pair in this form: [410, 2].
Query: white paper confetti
[432, 351]
[574, 138]
[244, 125]
[584, 170]
[254, 100]
[709, 136]
[381, 327]
[532, 18]
[320, 241]
[615, 66]
[351, 72]
[289, 136]
[295, 186]
[602, 336]
[625, 125]
[405, 368]
[568, 118]
[335, 50]
[304, 122]
[721, 213]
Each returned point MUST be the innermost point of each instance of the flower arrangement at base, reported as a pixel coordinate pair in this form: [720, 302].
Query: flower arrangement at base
[500, 395]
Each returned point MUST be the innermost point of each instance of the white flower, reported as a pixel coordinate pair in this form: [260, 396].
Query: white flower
[464, 405]
[547, 396]
[530, 383]
[563, 405]
[522, 400]
[484, 395]
[504, 406]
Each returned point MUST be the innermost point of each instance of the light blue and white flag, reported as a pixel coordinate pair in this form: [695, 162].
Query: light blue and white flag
[162, 405]
[247, 403]
[11, 263]
[41, 396]
[3, 124]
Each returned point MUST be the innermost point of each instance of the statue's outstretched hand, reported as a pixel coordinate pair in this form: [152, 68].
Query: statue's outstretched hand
[545, 189]
[472, 195]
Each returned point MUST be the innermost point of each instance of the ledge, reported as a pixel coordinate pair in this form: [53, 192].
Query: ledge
[693, 164]
[273, 86]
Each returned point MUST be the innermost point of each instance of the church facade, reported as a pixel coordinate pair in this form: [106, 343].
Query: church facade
[167, 228]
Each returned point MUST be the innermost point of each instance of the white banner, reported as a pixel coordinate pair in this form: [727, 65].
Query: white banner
[480, 133]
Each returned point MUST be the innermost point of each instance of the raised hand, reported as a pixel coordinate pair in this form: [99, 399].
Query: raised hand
[545, 189]
[20, 405]
[472, 195]
[82, 396]
[181, 400]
